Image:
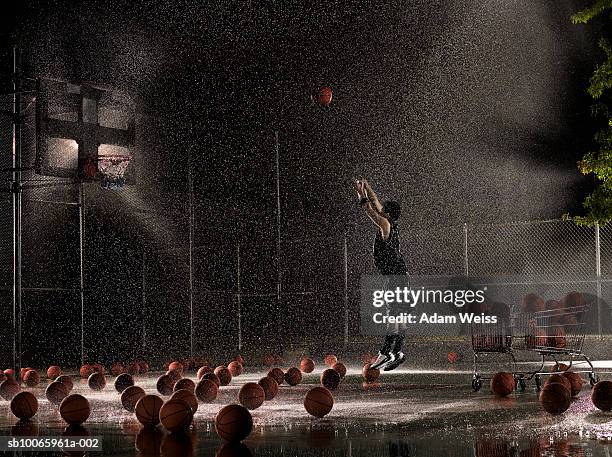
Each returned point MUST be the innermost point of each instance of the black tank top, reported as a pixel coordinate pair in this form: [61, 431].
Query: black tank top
[388, 257]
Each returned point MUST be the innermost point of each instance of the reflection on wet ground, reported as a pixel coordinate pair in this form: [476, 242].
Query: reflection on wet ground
[406, 414]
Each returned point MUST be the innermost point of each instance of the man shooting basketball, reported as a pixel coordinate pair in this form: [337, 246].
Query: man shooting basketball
[388, 260]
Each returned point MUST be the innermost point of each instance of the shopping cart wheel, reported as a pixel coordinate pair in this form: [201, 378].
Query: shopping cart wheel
[593, 378]
[520, 383]
[538, 382]
[476, 384]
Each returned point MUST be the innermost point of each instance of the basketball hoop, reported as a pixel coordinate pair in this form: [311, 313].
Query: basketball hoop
[112, 171]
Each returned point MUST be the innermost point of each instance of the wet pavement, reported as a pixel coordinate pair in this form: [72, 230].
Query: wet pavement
[407, 413]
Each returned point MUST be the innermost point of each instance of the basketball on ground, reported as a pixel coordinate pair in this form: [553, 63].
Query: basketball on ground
[178, 366]
[224, 375]
[307, 365]
[176, 415]
[75, 409]
[502, 384]
[270, 387]
[318, 402]
[143, 367]
[86, 371]
[53, 372]
[123, 381]
[97, 381]
[31, 378]
[251, 395]
[330, 360]
[147, 410]
[370, 374]
[116, 369]
[601, 396]
[554, 398]
[133, 368]
[277, 374]
[56, 392]
[130, 396]
[233, 423]
[575, 381]
[561, 380]
[206, 390]
[268, 360]
[9, 388]
[203, 370]
[98, 368]
[24, 405]
[235, 368]
[188, 397]
[293, 376]
[9, 373]
[239, 359]
[340, 368]
[212, 377]
[165, 385]
[330, 379]
[175, 375]
[66, 380]
[185, 384]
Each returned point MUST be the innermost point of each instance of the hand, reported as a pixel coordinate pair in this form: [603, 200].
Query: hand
[359, 188]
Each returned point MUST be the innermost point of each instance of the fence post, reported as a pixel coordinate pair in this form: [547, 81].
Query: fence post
[466, 265]
[346, 311]
[239, 296]
[598, 278]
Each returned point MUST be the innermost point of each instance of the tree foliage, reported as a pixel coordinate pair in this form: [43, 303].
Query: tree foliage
[598, 205]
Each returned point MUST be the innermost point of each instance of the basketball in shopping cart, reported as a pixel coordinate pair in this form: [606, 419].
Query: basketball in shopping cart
[112, 171]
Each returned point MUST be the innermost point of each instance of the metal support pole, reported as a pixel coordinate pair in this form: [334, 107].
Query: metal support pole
[598, 278]
[144, 299]
[466, 265]
[190, 182]
[239, 297]
[278, 232]
[346, 301]
[16, 190]
[81, 268]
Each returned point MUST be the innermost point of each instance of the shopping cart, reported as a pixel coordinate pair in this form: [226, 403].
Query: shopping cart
[553, 334]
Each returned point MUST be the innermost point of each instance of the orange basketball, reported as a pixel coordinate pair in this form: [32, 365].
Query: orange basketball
[9, 388]
[175, 375]
[53, 372]
[277, 374]
[532, 303]
[143, 367]
[560, 367]
[235, 368]
[56, 392]
[123, 381]
[325, 95]
[86, 371]
[186, 384]
[66, 380]
[554, 398]
[203, 370]
[188, 397]
[557, 337]
[239, 359]
[165, 385]
[370, 374]
[96, 381]
[330, 360]
[9, 373]
[340, 368]
[23, 371]
[452, 357]
[307, 365]
[574, 299]
[212, 377]
[24, 405]
[175, 415]
[251, 395]
[31, 378]
[116, 369]
[206, 390]
[233, 423]
[561, 380]
[318, 401]
[601, 395]
[268, 360]
[293, 376]
[502, 384]
[224, 375]
[98, 368]
[270, 387]
[178, 366]
[130, 396]
[147, 410]
[575, 382]
[75, 409]
[330, 379]
[133, 368]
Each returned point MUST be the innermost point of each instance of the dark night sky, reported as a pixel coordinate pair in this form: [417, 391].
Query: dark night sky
[464, 110]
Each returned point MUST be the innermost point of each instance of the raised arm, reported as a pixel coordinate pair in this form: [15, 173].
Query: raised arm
[371, 204]
[372, 196]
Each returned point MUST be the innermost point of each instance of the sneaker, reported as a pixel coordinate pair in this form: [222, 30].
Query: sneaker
[398, 359]
[382, 360]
